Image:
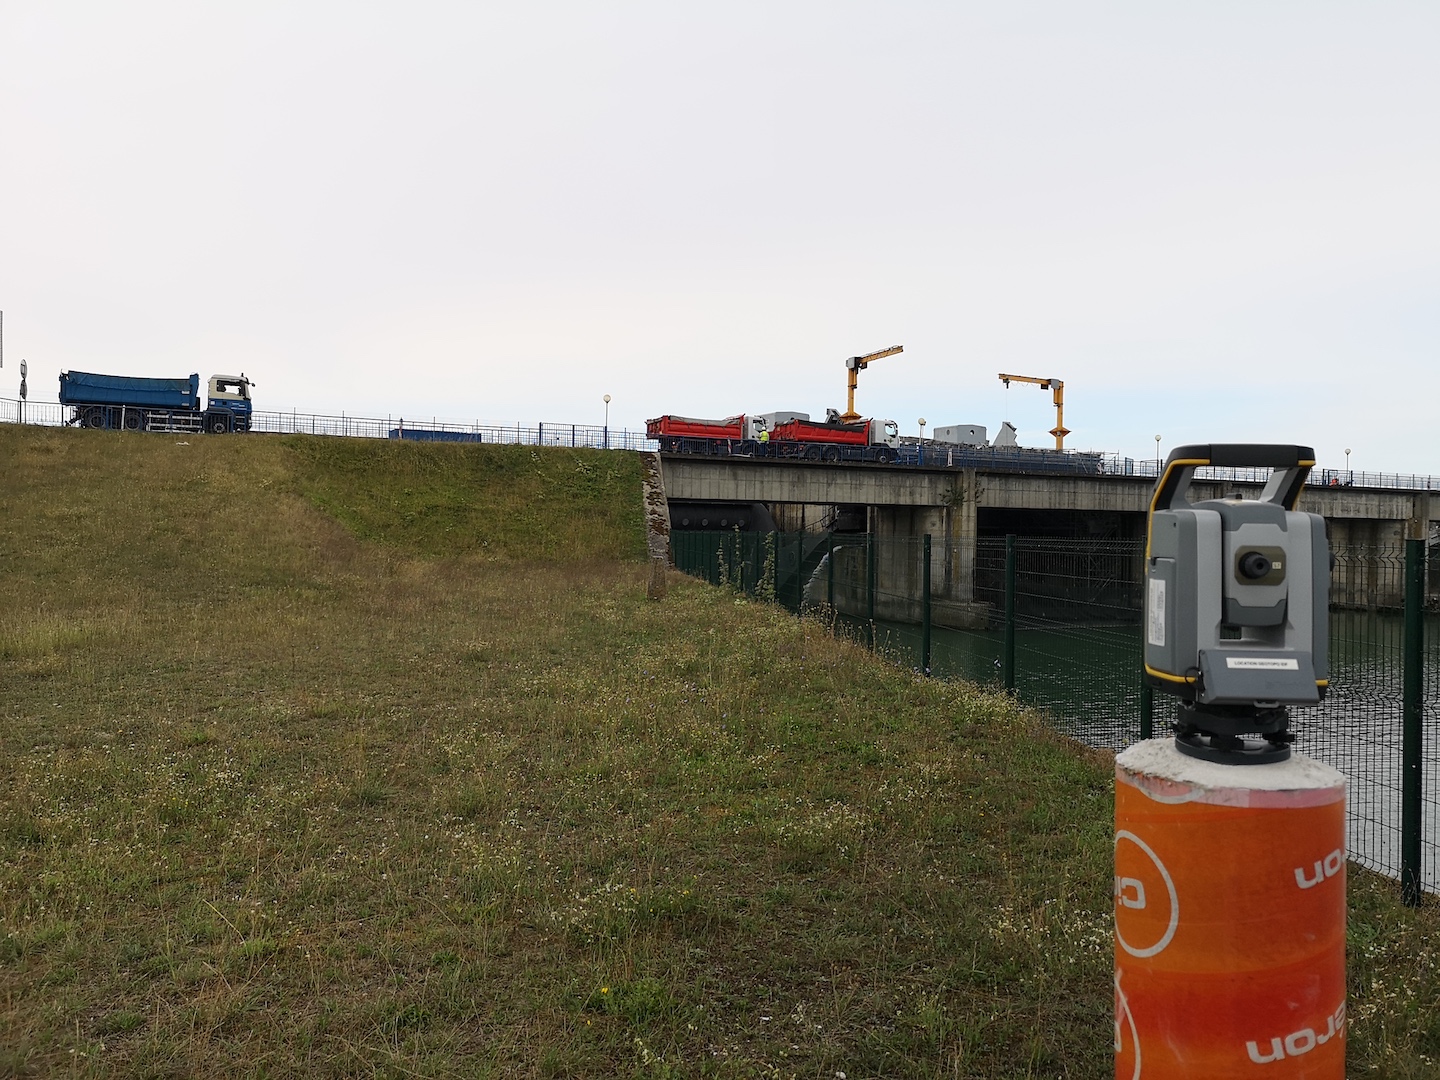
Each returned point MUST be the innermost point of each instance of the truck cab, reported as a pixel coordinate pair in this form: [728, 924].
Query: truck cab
[752, 427]
[228, 404]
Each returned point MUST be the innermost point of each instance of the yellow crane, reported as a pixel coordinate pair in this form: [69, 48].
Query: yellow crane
[856, 364]
[1059, 430]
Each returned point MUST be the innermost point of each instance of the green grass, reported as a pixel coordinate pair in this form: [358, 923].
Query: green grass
[519, 502]
[326, 757]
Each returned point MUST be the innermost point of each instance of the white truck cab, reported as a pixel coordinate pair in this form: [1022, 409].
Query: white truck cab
[753, 426]
[229, 388]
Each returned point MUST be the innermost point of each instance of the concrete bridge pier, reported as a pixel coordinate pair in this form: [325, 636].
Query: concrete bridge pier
[899, 570]
[1369, 570]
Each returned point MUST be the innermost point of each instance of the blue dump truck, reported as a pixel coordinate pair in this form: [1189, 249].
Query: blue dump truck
[131, 404]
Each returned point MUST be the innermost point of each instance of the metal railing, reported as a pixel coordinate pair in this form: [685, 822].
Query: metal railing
[427, 429]
[1057, 622]
[932, 454]
[1116, 465]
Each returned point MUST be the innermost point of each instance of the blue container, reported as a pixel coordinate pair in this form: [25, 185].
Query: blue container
[433, 435]
[84, 388]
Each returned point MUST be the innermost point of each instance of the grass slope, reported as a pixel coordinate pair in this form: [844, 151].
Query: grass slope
[334, 758]
[521, 502]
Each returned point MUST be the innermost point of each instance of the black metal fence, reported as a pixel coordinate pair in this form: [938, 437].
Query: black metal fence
[1057, 622]
[420, 428]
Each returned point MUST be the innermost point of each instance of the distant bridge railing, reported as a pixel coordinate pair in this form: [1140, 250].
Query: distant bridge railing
[1149, 468]
[1115, 465]
[53, 414]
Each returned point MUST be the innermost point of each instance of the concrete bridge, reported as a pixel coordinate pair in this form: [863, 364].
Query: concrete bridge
[958, 506]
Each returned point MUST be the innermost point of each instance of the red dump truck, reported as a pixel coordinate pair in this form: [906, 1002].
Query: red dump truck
[778, 435]
[836, 440]
[689, 435]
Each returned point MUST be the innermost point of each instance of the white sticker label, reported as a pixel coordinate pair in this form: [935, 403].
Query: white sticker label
[1263, 663]
[1155, 634]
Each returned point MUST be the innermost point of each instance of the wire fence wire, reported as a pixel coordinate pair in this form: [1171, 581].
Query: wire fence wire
[1071, 646]
[1359, 727]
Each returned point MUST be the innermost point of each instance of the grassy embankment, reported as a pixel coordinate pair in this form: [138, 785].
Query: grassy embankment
[330, 757]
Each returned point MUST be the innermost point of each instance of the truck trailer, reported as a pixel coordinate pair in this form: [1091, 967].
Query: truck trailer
[836, 440]
[689, 435]
[136, 404]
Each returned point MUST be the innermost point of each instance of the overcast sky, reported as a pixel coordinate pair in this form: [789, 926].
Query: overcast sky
[1214, 221]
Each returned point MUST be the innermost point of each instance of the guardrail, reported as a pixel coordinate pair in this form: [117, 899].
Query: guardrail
[53, 414]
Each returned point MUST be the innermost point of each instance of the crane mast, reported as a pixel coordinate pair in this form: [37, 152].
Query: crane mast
[854, 365]
[1059, 430]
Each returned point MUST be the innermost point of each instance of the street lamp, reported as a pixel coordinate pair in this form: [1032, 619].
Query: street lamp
[1348, 478]
[607, 421]
[1157, 455]
[922, 429]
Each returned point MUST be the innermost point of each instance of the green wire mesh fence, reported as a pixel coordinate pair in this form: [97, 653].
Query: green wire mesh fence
[1361, 727]
[1057, 622]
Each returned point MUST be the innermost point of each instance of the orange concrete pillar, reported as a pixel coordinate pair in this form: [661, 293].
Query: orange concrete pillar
[1229, 918]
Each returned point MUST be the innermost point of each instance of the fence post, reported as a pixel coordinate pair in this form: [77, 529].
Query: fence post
[1411, 884]
[830, 579]
[774, 544]
[925, 607]
[1147, 695]
[801, 581]
[1007, 664]
[870, 589]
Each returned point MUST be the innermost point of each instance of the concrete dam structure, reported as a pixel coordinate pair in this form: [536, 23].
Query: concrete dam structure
[958, 507]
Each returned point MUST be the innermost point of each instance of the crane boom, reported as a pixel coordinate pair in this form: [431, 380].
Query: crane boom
[856, 364]
[1058, 387]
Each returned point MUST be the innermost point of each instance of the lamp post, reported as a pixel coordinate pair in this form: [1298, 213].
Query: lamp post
[922, 440]
[607, 421]
[1348, 478]
[1157, 455]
